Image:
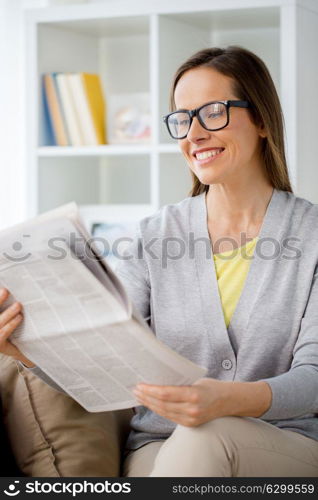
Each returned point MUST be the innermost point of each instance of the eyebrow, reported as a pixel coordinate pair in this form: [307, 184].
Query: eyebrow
[207, 102]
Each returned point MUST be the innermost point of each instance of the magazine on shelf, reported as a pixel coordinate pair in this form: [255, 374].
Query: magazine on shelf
[79, 325]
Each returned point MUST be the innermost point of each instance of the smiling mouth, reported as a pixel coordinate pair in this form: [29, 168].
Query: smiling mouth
[204, 155]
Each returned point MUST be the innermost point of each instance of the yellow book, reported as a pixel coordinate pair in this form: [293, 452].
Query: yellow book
[94, 93]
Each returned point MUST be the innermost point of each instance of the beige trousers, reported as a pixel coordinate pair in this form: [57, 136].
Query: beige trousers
[226, 447]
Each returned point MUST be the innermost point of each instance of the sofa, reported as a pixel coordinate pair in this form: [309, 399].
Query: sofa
[9, 467]
[45, 433]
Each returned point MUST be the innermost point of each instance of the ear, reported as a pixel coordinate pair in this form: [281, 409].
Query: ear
[262, 132]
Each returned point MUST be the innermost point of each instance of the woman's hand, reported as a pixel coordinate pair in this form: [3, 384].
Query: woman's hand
[10, 318]
[191, 405]
[207, 399]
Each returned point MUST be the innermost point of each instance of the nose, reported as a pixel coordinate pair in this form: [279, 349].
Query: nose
[197, 133]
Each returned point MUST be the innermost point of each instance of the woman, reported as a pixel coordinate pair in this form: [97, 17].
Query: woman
[246, 311]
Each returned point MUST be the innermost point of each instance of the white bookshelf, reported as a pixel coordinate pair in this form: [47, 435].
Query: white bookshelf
[136, 47]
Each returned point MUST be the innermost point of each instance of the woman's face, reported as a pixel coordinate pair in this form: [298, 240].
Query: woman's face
[236, 147]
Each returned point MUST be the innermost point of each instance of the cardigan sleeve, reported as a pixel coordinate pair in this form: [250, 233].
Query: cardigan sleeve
[295, 393]
[45, 378]
[133, 272]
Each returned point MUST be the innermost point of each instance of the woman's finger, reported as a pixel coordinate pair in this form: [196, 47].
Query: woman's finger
[4, 294]
[7, 329]
[166, 406]
[9, 349]
[172, 393]
[10, 313]
[178, 417]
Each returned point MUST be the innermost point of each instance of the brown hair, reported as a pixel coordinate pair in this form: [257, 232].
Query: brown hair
[253, 83]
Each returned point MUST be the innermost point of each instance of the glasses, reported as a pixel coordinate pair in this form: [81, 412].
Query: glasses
[212, 116]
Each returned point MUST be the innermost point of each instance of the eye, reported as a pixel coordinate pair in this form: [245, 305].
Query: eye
[216, 110]
[177, 121]
[215, 114]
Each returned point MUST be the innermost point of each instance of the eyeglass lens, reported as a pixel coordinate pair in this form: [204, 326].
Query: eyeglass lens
[213, 116]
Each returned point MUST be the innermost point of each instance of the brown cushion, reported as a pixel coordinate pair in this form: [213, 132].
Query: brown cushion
[50, 434]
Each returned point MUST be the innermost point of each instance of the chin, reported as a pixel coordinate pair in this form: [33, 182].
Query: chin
[209, 178]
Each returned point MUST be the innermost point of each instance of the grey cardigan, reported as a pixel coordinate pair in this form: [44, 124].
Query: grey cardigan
[170, 276]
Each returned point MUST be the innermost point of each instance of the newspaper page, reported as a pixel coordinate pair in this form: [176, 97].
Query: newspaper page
[79, 326]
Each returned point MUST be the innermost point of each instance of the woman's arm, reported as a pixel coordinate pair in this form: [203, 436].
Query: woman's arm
[289, 395]
[45, 378]
[295, 393]
[133, 273]
[205, 400]
[10, 319]
[248, 399]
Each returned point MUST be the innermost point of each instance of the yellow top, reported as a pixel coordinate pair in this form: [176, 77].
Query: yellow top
[231, 270]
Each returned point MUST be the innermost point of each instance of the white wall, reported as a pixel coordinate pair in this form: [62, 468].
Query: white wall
[12, 92]
[12, 162]
[11, 122]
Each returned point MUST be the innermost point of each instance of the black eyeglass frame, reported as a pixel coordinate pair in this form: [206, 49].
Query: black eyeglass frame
[196, 111]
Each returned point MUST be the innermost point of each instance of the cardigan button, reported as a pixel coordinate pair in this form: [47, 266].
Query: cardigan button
[227, 364]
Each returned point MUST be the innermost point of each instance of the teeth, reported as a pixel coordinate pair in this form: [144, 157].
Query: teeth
[208, 154]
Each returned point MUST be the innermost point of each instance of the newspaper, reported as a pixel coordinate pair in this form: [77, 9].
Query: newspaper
[79, 325]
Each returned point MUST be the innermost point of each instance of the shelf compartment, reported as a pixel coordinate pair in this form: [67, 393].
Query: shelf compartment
[93, 181]
[175, 178]
[76, 46]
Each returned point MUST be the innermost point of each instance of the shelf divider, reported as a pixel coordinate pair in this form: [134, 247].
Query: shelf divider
[107, 150]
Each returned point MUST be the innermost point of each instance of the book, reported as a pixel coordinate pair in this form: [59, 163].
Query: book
[54, 77]
[54, 111]
[94, 93]
[69, 108]
[79, 325]
[83, 110]
[47, 135]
